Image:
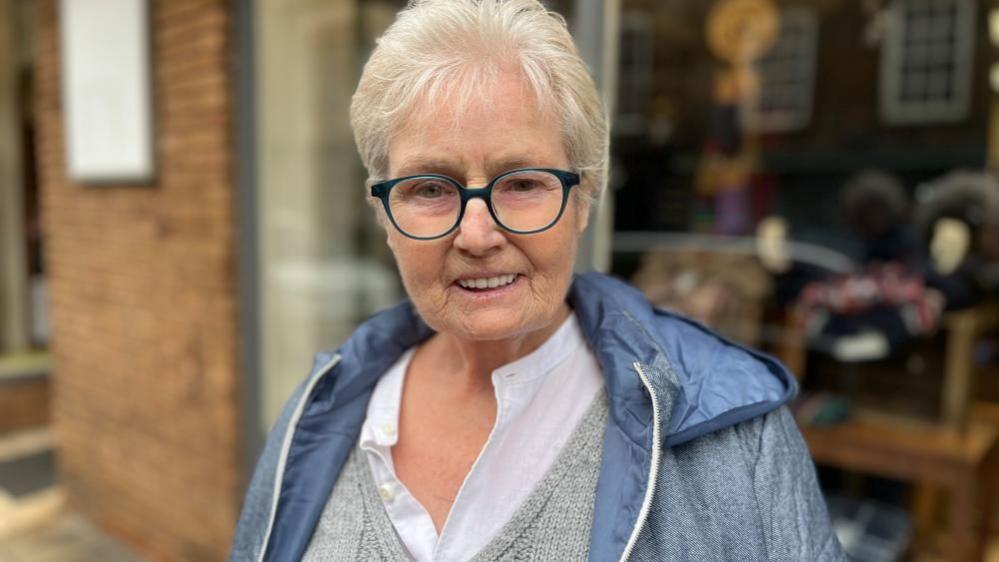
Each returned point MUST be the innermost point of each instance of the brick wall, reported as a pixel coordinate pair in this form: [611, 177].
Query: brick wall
[143, 302]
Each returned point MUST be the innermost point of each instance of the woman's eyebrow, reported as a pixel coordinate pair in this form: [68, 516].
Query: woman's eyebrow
[506, 164]
[419, 165]
[428, 166]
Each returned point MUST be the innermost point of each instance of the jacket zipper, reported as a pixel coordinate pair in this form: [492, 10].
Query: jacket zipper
[650, 489]
[285, 448]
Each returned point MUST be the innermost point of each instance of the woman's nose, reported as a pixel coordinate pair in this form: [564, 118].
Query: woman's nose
[478, 233]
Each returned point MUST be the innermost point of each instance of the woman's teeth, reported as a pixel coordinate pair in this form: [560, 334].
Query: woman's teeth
[487, 282]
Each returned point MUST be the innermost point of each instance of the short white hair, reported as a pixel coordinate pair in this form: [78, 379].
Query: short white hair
[459, 48]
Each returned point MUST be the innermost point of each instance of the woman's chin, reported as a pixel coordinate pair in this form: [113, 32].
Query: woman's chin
[497, 324]
[490, 326]
[492, 314]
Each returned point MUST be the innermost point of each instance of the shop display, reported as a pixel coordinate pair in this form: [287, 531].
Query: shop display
[958, 223]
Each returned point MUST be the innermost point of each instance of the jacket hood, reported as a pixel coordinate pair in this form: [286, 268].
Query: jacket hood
[712, 382]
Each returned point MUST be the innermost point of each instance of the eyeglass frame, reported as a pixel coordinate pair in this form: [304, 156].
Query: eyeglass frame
[382, 189]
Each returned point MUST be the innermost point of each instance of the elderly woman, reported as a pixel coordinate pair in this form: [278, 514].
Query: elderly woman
[509, 410]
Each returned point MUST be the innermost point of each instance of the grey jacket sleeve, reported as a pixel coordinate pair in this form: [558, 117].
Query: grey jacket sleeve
[793, 512]
[254, 520]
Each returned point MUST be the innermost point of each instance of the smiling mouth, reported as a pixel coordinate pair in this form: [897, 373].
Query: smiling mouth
[486, 283]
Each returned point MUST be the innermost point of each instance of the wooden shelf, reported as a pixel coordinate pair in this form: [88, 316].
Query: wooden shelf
[902, 448]
[958, 461]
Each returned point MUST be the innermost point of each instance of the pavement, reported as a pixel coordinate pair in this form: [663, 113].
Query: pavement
[35, 525]
[64, 538]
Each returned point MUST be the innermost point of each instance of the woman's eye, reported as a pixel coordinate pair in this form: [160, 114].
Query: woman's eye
[524, 185]
[429, 190]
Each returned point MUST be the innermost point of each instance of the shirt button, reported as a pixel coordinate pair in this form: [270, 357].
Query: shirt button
[387, 429]
[385, 491]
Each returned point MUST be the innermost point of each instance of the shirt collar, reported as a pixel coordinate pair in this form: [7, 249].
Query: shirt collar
[542, 360]
[381, 428]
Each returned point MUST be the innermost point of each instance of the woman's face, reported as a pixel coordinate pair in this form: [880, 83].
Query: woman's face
[486, 140]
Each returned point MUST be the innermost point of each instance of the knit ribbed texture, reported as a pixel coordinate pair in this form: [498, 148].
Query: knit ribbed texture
[552, 524]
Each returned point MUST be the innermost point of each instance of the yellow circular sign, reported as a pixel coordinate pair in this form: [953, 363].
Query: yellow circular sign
[741, 31]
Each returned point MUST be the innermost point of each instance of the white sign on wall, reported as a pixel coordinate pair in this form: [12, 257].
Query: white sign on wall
[106, 90]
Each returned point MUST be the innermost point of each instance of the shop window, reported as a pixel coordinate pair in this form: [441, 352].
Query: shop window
[787, 76]
[634, 73]
[926, 61]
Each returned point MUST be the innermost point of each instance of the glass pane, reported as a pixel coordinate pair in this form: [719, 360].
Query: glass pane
[838, 145]
[323, 262]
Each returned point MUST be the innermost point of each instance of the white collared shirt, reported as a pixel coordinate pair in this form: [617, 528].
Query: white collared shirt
[540, 399]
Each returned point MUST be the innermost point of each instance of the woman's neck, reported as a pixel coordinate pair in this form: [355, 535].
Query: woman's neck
[466, 366]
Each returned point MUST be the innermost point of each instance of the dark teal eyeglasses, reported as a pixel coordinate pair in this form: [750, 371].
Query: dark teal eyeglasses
[430, 206]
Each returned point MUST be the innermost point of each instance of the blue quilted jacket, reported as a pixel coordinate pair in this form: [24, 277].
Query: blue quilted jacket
[701, 460]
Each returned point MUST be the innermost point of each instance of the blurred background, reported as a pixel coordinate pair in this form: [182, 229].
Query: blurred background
[182, 227]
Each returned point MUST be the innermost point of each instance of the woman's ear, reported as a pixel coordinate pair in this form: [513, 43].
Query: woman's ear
[584, 204]
[377, 208]
[381, 218]
[583, 213]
